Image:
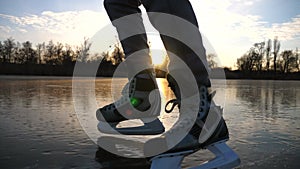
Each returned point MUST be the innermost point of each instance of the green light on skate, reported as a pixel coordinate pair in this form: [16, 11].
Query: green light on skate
[134, 102]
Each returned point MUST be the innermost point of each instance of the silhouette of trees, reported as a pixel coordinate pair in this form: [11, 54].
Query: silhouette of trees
[27, 54]
[211, 60]
[117, 56]
[83, 51]
[289, 61]
[253, 59]
[286, 61]
[44, 53]
[54, 58]
[49, 53]
[68, 55]
[8, 50]
[260, 57]
[298, 59]
[54, 54]
[244, 63]
[258, 54]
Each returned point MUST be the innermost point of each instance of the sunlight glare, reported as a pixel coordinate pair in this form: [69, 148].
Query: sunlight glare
[158, 52]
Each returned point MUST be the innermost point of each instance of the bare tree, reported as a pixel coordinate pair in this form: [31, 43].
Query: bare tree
[268, 53]
[258, 53]
[40, 51]
[211, 60]
[8, 50]
[290, 61]
[276, 51]
[286, 59]
[298, 59]
[253, 59]
[1, 52]
[27, 54]
[244, 63]
[50, 52]
[68, 55]
[83, 51]
[58, 57]
[118, 54]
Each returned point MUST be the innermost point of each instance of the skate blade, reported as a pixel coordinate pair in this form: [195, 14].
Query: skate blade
[225, 158]
[151, 128]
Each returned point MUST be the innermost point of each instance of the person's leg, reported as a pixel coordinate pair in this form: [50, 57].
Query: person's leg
[126, 17]
[192, 52]
[135, 101]
[183, 41]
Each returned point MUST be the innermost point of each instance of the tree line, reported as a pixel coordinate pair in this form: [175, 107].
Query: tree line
[261, 57]
[266, 56]
[51, 53]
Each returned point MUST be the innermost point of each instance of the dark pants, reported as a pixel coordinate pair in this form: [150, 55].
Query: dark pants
[190, 50]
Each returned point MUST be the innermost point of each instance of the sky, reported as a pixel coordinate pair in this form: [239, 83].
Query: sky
[231, 27]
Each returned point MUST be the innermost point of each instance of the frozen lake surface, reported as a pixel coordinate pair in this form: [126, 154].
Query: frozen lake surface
[39, 126]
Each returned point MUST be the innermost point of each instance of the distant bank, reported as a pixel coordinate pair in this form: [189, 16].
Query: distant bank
[107, 70]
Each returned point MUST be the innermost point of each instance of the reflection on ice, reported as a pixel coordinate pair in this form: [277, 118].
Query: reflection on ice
[38, 121]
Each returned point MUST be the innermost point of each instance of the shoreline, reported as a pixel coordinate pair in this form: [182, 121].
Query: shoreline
[105, 70]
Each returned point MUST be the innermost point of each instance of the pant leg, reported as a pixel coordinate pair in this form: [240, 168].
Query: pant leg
[190, 50]
[126, 17]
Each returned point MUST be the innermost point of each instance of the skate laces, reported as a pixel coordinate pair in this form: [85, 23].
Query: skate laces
[174, 103]
[204, 104]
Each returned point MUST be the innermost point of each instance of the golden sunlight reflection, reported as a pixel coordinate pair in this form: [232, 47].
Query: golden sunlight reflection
[168, 119]
[164, 89]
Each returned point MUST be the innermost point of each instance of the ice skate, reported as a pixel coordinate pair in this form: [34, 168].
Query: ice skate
[202, 135]
[140, 100]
